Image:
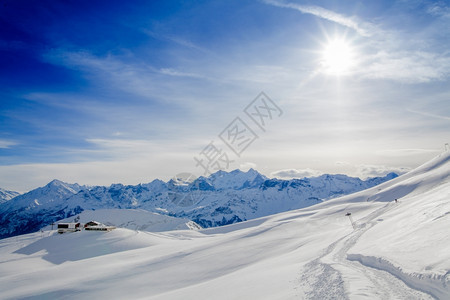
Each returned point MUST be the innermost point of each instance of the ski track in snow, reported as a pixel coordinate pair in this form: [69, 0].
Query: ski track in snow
[323, 277]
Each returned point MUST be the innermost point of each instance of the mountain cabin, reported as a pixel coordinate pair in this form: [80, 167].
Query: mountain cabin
[97, 226]
[68, 227]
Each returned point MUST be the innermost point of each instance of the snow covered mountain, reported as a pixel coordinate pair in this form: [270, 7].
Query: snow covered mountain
[7, 195]
[390, 250]
[258, 196]
[30, 211]
[222, 198]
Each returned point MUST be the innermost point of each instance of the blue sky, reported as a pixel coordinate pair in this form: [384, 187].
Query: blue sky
[97, 92]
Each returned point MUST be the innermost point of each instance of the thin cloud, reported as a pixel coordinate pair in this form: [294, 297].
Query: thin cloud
[5, 144]
[367, 171]
[295, 173]
[131, 170]
[247, 166]
[406, 152]
[174, 39]
[173, 72]
[439, 9]
[426, 114]
[322, 13]
[120, 148]
[406, 66]
[134, 78]
[120, 143]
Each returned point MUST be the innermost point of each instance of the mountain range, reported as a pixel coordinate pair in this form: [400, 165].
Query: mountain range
[220, 199]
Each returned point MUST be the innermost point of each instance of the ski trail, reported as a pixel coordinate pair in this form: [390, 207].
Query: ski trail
[332, 276]
[321, 281]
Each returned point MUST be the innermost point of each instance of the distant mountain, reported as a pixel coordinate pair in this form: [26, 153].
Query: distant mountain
[236, 179]
[7, 195]
[259, 196]
[220, 199]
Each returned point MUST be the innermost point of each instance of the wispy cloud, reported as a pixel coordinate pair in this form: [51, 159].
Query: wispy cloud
[295, 173]
[439, 9]
[406, 152]
[24, 177]
[387, 53]
[133, 77]
[174, 39]
[431, 115]
[322, 13]
[124, 147]
[118, 73]
[408, 66]
[247, 166]
[4, 144]
[167, 88]
[366, 171]
[173, 72]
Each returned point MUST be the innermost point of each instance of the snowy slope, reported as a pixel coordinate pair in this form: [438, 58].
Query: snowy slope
[6, 195]
[135, 219]
[396, 251]
[222, 198]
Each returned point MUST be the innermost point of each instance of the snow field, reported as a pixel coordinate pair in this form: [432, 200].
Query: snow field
[397, 251]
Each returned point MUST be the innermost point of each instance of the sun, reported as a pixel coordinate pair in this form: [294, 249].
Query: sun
[338, 57]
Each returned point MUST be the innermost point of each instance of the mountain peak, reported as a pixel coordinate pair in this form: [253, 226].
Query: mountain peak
[236, 179]
[236, 171]
[60, 186]
[252, 171]
[56, 182]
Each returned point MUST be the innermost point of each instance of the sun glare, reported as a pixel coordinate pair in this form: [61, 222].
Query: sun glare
[337, 57]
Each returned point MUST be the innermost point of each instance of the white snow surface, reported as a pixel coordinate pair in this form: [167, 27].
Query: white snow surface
[396, 251]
